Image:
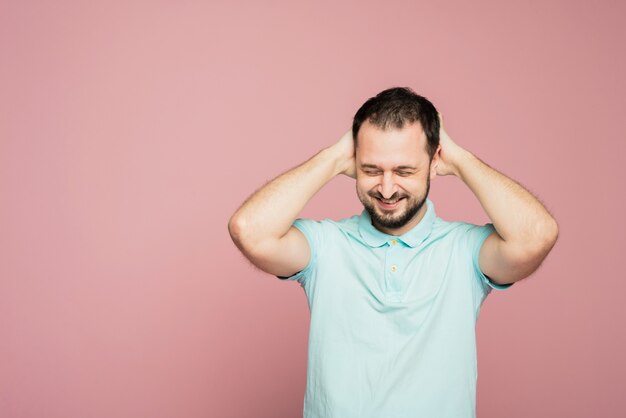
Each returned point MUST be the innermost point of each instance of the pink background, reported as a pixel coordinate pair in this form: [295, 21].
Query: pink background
[130, 132]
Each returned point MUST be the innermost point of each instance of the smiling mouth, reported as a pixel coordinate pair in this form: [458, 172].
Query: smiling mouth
[388, 204]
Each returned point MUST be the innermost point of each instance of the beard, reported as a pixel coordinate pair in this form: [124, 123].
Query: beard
[393, 218]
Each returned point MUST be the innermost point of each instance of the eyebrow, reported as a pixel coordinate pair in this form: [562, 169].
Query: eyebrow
[400, 167]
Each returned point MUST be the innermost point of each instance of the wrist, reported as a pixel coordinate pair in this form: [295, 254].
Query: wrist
[462, 161]
[336, 158]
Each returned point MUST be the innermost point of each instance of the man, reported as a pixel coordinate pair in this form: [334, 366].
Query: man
[394, 292]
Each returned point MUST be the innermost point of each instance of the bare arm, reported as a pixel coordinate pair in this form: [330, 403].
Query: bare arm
[525, 230]
[261, 227]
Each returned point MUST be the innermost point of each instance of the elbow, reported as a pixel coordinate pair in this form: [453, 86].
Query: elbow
[253, 249]
[544, 241]
[551, 233]
[237, 234]
[235, 227]
[241, 234]
[536, 246]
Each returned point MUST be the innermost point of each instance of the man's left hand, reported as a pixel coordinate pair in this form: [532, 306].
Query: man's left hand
[449, 153]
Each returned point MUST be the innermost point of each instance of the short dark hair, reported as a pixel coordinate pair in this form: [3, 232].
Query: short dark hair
[394, 107]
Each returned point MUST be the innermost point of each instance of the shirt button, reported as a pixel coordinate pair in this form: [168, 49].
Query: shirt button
[394, 268]
[394, 242]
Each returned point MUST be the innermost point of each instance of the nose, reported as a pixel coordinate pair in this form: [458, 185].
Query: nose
[387, 186]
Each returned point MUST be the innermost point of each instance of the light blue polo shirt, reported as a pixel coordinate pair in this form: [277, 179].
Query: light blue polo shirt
[392, 318]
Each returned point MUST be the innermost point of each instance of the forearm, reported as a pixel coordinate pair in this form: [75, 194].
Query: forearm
[271, 210]
[518, 217]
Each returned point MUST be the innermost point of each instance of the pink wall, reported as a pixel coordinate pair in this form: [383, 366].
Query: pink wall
[129, 133]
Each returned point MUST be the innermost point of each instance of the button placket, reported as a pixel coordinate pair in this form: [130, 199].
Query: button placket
[392, 268]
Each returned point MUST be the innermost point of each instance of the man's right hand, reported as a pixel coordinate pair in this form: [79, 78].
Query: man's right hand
[262, 228]
[345, 150]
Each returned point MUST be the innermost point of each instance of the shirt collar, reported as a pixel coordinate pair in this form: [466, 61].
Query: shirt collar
[375, 238]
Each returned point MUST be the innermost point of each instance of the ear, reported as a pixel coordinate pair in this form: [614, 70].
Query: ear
[435, 162]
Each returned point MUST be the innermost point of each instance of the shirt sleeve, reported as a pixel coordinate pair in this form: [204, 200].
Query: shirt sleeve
[481, 284]
[312, 231]
[478, 235]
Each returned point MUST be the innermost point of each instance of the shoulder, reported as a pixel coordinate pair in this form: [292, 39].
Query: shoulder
[458, 228]
[347, 224]
[459, 234]
[448, 229]
[321, 229]
[466, 237]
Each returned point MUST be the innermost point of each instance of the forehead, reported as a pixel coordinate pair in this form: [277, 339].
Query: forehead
[392, 147]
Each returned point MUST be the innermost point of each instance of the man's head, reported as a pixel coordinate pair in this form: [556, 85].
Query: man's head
[395, 108]
[396, 136]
